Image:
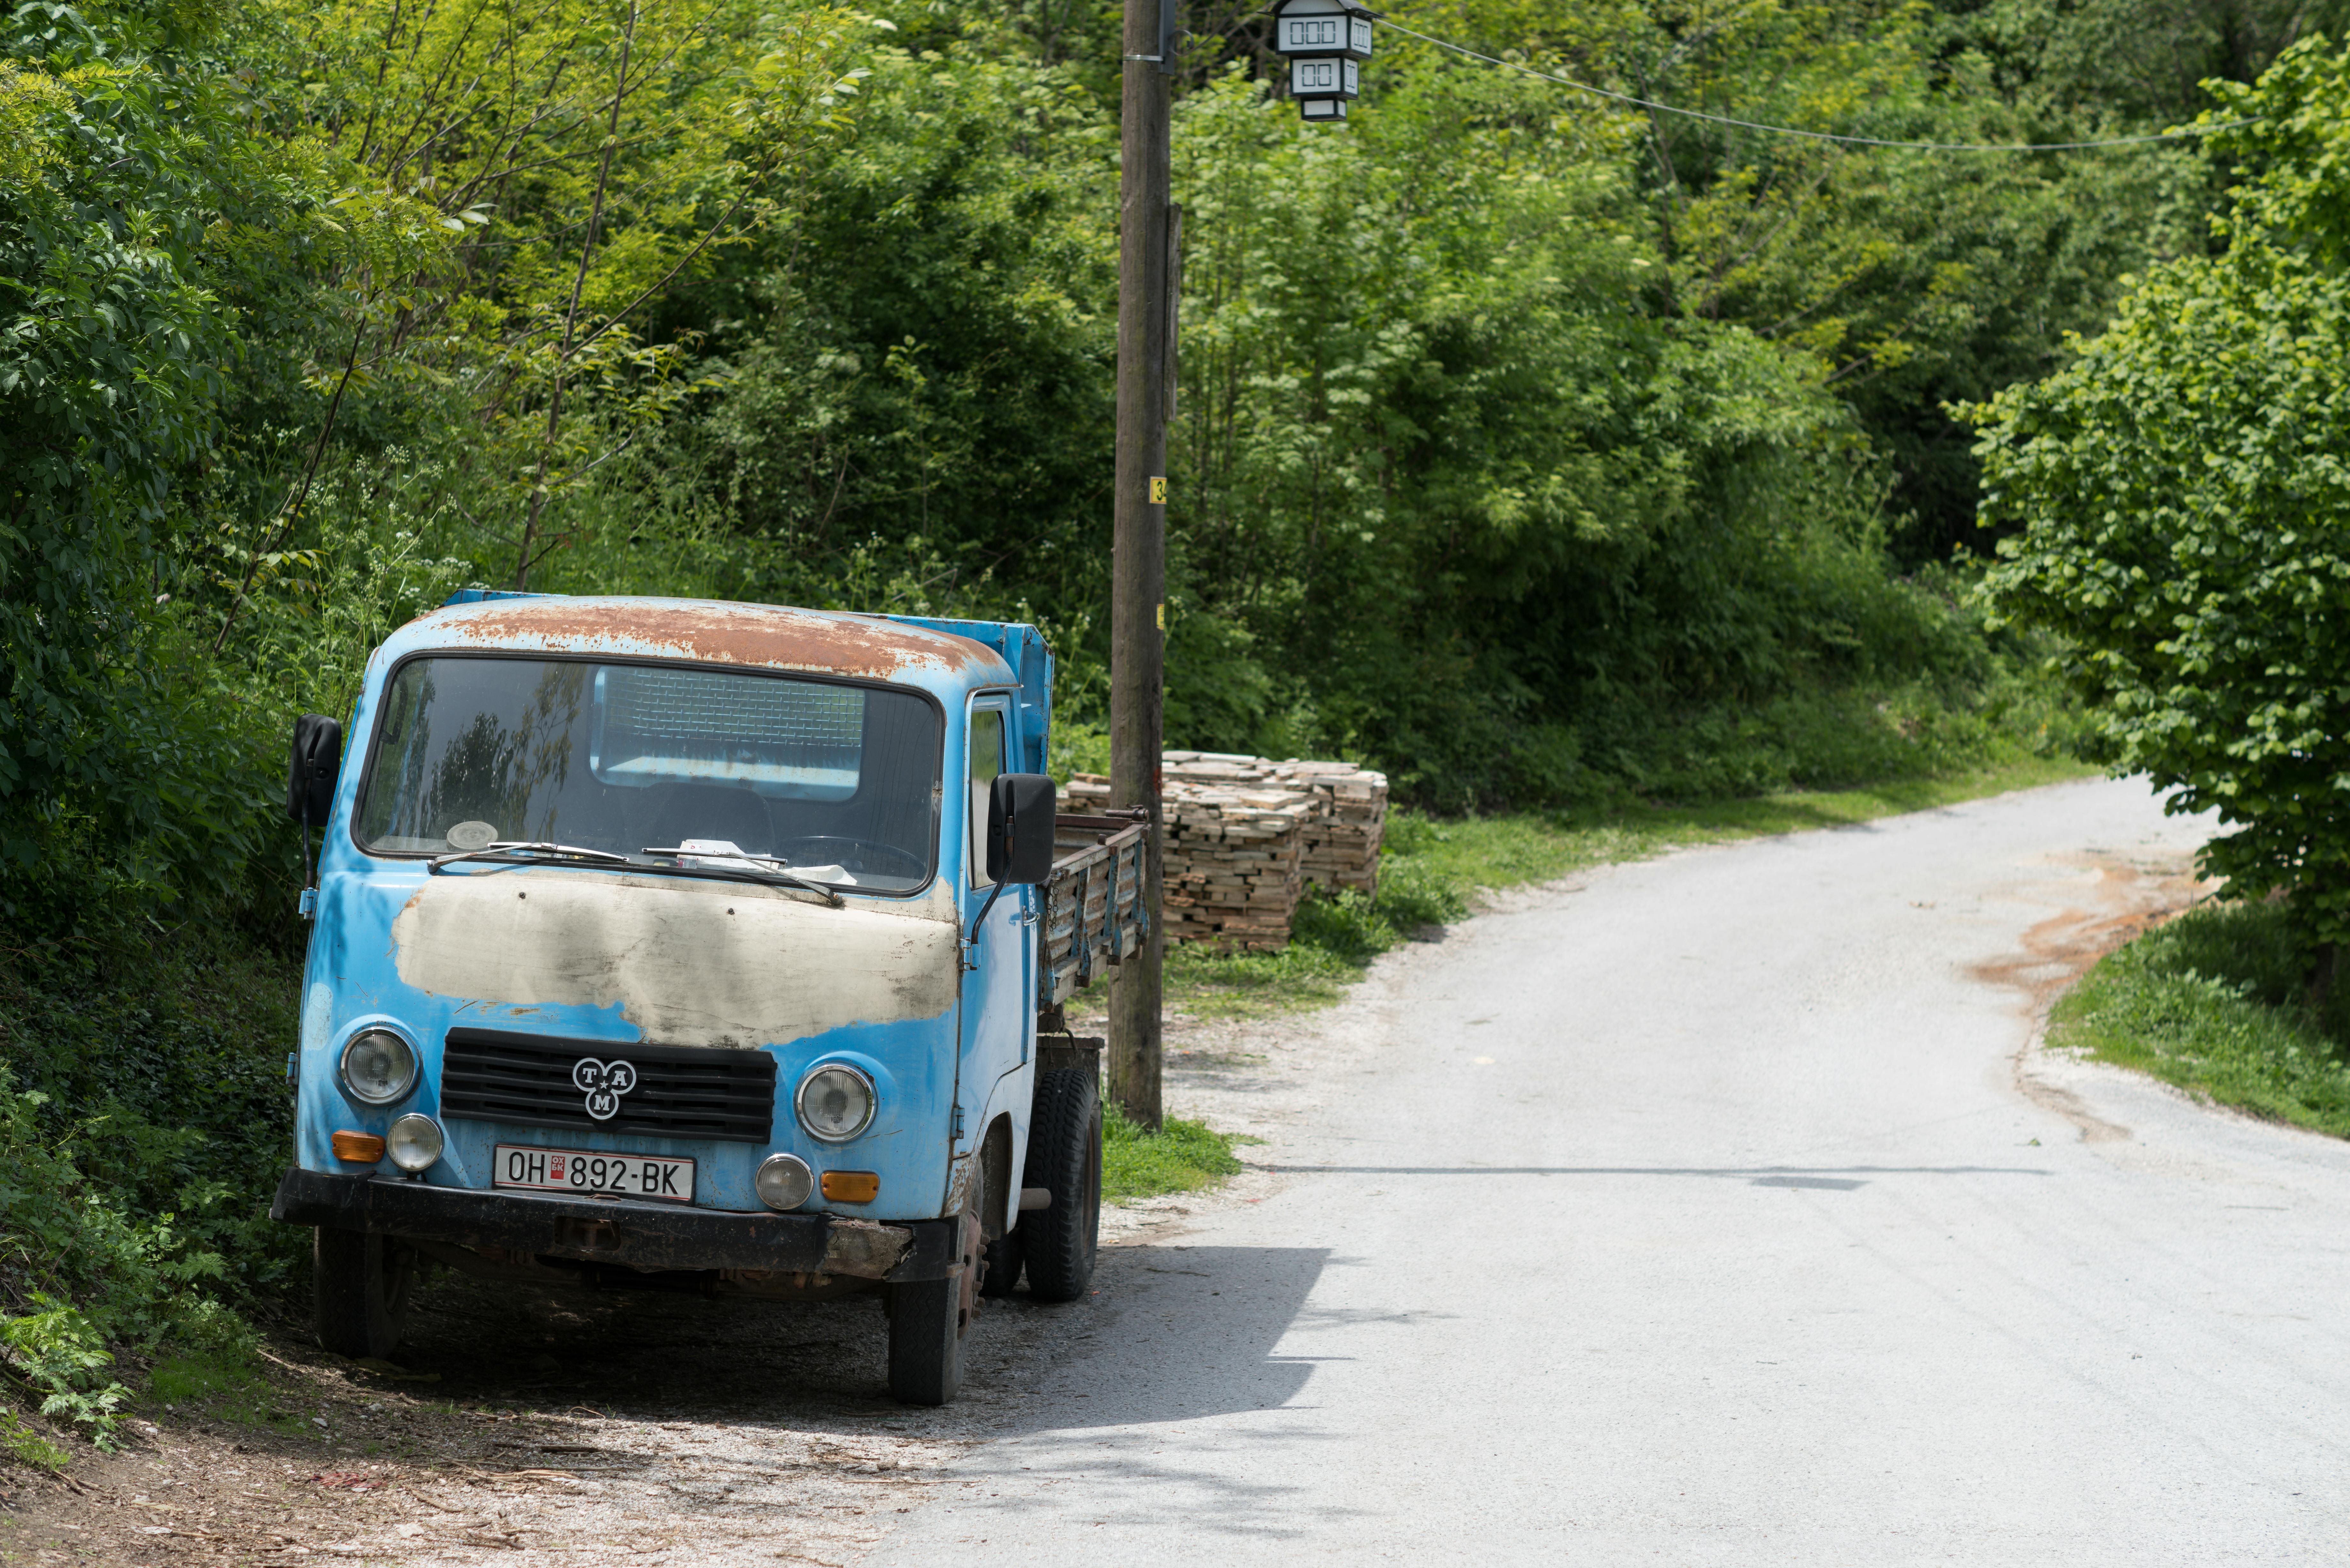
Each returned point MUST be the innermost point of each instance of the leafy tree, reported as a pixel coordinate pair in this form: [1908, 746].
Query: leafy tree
[2185, 508]
[924, 351]
[2139, 61]
[1485, 512]
[122, 188]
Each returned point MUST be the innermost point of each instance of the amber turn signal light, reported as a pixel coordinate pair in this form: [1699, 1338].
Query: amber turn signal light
[358, 1148]
[852, 1186]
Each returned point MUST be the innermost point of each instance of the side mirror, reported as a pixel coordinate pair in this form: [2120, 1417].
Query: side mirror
[1020, 808]
[317, 763]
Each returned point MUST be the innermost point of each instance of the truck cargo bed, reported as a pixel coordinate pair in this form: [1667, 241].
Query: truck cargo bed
[1094, 914]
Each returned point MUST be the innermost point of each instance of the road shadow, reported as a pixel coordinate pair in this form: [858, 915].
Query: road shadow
[1174, 1333]
[1105, 1411]
[645, 1355]
[1167, 1333]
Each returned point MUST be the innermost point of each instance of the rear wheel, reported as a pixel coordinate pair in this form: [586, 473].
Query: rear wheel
[359, 1287]
[1003, 1257]
[1064, 1156]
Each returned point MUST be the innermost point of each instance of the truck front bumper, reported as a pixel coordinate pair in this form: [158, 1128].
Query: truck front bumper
[649, 1237]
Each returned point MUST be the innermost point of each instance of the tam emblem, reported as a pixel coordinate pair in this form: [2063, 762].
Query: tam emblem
[603, 1082]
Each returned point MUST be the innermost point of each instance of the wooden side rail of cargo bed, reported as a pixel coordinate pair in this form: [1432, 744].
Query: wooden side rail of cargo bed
[1094, 914]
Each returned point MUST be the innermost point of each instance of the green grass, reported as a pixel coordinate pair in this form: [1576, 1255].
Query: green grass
[1432, 869]
[2214, 1003]
[1181, 1156]
[223, 1381]
[27, 1447]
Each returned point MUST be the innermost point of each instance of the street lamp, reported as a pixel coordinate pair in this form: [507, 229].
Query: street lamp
[1325, 43]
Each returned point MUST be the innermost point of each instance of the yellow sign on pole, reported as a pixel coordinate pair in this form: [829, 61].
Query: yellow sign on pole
[1158, 492]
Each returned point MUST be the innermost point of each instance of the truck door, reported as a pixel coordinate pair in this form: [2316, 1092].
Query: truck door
[999, 1013]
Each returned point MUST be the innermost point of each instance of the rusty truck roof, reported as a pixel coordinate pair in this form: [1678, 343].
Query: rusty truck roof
[714, 631]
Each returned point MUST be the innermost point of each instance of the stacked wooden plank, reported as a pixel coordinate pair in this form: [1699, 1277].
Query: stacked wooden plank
[1233, 854]
[1245, 836]
[1341, 848]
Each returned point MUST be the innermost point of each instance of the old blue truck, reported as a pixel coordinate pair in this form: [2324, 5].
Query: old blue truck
[701, 945]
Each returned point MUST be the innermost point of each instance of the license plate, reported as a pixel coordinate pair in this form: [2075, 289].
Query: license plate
[616, 1175]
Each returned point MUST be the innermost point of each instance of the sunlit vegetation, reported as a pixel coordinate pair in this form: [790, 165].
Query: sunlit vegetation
[1579, 468]
[2217, 1003]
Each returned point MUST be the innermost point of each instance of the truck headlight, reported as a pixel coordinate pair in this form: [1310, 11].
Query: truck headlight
[415, 1140]
[785, 1181]
[834, 1102]
[378, 1067]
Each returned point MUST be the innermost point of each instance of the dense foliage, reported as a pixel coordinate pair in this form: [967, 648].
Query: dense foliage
[1540, 451]
[1531, 448]
[2183, 497]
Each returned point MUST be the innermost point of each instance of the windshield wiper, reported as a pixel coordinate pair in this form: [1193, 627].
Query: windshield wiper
[744, 873]
[537, 854]
[514, 851]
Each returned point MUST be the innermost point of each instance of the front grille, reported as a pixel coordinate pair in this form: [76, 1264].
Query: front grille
[681, 1091]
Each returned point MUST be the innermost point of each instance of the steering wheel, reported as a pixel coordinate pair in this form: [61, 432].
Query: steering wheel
[866, 857]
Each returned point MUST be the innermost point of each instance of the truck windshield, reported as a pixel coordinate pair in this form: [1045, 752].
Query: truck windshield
[841, 783]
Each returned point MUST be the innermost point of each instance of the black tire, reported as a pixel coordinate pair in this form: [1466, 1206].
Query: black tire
[359, 1287]
[926, 1332]
[1064, 1156]
[1003, 1257]
[928, 1320]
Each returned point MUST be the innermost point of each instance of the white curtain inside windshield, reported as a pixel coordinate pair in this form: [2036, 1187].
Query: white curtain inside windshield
[472, 751]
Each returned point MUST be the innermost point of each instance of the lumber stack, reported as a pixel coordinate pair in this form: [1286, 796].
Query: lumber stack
[1341, 848]
[1245, 836]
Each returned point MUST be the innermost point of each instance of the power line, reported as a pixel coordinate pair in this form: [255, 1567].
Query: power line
[1819, 135]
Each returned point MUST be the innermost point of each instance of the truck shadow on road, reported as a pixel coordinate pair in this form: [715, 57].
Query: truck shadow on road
[1168, 1332]
[1173, 1333]
[651, 1355]
[1098, 1429]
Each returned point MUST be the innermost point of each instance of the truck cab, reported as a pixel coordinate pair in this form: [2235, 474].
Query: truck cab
[694, 944]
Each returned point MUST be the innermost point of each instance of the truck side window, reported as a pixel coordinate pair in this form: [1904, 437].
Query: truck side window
[986, 762]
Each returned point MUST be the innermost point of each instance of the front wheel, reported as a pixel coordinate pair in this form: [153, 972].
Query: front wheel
[359, 1287]
[928, 1320]
[1064, 1156]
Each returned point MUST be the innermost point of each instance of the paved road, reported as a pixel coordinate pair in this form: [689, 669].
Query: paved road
[1705, 1214]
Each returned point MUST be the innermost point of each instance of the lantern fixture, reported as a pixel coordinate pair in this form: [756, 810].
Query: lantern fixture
[1325, 41]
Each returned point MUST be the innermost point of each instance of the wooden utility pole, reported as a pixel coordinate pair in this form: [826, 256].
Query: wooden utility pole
[1145, 282]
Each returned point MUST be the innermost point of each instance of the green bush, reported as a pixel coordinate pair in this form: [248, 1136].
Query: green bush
[174, 1048]
[1332, 935]
[1357, 927]
[82, 1281]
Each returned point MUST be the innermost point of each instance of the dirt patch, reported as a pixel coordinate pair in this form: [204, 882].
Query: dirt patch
[579, 1428]
[2110, 900]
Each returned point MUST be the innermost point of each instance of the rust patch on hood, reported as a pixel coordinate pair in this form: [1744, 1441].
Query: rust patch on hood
[768, 636]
